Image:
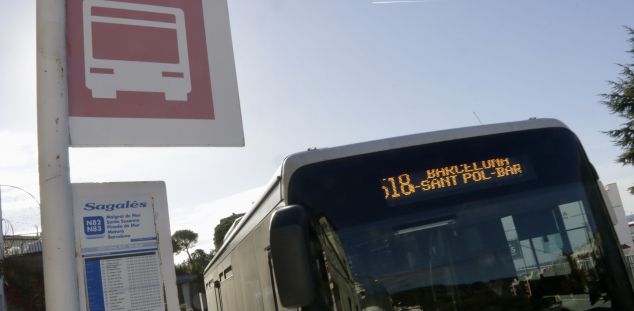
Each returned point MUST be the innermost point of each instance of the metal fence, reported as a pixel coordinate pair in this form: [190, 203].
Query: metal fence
[16, 245]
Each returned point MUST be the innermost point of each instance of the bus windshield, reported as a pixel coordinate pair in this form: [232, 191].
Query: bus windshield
[505, 222]
[516, 251]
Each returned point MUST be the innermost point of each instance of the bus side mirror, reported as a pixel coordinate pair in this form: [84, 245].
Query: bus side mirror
[290, 254]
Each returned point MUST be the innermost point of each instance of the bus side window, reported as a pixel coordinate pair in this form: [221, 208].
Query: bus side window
[228, 273]
[334, 268]
[323, 298]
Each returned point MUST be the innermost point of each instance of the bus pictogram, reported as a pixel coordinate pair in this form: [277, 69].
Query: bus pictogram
[135, 47]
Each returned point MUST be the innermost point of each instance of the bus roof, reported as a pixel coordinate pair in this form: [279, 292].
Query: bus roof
[297, 160]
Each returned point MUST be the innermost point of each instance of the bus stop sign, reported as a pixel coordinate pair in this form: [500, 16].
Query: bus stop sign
[151, 73]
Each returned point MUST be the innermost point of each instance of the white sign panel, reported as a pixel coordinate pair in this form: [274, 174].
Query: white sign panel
[151, 73]
[123, 237]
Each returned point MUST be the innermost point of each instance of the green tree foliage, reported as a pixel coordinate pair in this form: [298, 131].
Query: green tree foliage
[199, 261]
[183, 240]
[196, 266]
[221, 229]
[620, 101]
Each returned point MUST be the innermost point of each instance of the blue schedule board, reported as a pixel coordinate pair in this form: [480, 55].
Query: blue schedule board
[127, 282]
[94, 284]
[123, 264]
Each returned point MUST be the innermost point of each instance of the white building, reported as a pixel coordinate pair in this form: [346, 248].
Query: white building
[621, 226]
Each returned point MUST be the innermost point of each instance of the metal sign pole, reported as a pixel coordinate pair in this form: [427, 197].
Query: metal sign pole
[58, 240]
[3, 301]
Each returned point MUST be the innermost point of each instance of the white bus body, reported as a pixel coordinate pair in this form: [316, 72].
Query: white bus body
[242, 276]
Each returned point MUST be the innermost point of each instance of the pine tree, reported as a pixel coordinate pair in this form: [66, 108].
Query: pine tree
[620, 101]
[183, 240]
[221, 229]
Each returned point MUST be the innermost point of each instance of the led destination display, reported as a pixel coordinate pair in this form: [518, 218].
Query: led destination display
[461, 175]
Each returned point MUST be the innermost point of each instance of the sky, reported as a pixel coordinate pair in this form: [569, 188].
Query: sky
[328, 73]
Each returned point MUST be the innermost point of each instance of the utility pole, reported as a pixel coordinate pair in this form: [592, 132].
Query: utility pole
[3, 299]
[58, 238]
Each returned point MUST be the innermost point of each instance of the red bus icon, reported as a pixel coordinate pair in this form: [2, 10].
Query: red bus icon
[121, 52]
[140, 59]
